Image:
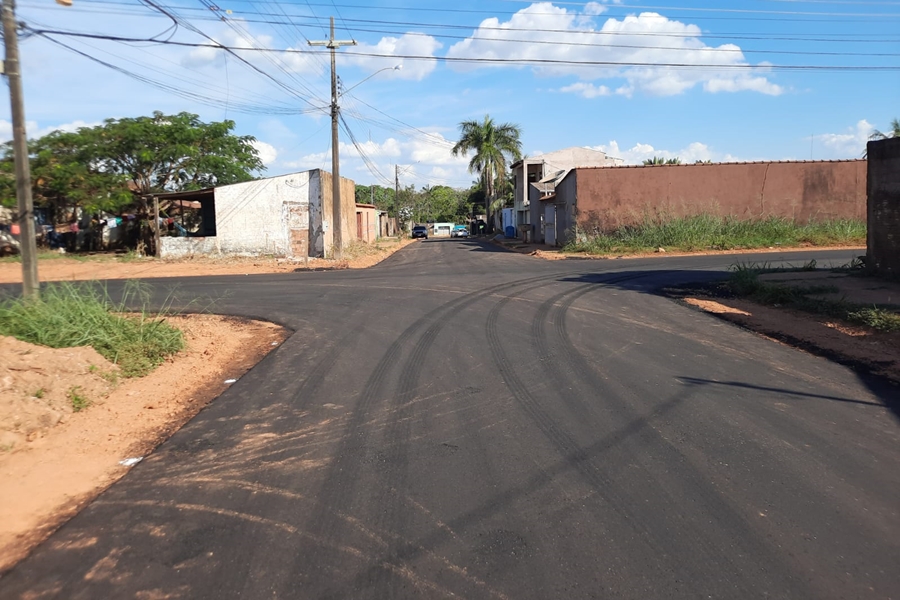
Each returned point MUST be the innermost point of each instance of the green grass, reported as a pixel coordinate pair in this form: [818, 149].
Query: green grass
[82, 314]
[47, 255]
[708, 232]
[79, 401]
[744, 282]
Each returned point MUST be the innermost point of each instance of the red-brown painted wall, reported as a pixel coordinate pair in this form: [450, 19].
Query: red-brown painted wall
[616, 196]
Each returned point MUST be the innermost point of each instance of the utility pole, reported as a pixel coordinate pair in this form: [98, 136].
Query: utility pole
[397, 188]
[30, 283]
[336, 214]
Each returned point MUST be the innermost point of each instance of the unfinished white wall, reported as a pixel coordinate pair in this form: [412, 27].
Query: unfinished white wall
[182, 247]
[252, 218]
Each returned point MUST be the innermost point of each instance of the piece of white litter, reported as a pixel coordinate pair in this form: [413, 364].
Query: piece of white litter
[274, 343]
[130, 462]
[230, 380]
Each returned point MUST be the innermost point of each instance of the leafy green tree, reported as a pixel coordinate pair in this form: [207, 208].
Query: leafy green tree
[492, 145]
[104, 167]
[63, 176]
[382, 197]
[172, 152]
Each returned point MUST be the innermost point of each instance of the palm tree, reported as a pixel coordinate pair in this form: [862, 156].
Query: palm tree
[895, 132]
[659, 160]
[493, 145]
[878, 135]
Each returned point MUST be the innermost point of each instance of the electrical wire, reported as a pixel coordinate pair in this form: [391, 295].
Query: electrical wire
[488, 60]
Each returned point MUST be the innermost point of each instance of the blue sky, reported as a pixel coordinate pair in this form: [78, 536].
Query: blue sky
[701, 80]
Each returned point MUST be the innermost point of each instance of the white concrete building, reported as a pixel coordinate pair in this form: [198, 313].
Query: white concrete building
[286, 216]
[536, 176]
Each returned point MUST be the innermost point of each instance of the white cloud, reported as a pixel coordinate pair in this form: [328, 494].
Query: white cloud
[267, 152]
[638, 153]
[33, 131]
[425, 159]
[636, 48]
[302, 61]
[586, 90]
[388, 48]
[850, 144]
[596, 8]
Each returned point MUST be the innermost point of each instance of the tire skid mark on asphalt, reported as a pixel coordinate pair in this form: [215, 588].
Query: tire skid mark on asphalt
[784, 424]
[575, 457]
[282, 526]
[713, 501]
[398, 430]
[340, 483]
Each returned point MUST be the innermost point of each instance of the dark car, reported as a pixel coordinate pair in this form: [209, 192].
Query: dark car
[420, 231]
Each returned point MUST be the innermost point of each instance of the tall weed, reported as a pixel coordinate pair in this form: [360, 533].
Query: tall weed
[709, 232]
[83, 314]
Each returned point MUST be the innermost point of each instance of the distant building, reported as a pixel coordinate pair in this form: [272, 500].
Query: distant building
[536, 177]
[287, 216]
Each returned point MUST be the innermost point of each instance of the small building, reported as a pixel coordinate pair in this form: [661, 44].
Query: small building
[544, 169]
[286, 216]
[366, 223]
[442, 229]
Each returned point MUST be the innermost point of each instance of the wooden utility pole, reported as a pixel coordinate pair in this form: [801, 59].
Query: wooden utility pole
[337, 225]
[27, 244]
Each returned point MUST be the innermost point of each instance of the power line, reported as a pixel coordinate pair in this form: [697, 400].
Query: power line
[485, 61]
[186, 94]
[613, 10]
[205, 15]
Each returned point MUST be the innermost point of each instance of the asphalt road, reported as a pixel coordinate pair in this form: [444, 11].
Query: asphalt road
[461, 421]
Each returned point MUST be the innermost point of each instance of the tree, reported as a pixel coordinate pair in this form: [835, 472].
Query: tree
[63, 175]
[895, 132]
[381, 197]
[103, 167]
[492, 146]
[659, 160]
[166, 153]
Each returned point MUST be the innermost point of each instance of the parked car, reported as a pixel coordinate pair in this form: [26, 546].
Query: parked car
[420, 231]
[459, 231]
[9, 245]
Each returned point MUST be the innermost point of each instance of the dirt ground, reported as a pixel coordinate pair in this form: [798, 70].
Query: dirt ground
[54, 460]
[861, 347]
[56, 267]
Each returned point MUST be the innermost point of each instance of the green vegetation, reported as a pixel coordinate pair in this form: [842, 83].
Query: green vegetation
[659, 160]
[744, 281]
[708, 232]
[39, 393]
[78, 400]
[491, 145]
[108, 166]
[82, 314]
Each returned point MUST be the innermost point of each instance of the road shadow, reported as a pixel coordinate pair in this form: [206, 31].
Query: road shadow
[678, 284]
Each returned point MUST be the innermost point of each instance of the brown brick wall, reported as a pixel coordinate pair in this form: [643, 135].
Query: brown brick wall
[883, 254]
[616, 196]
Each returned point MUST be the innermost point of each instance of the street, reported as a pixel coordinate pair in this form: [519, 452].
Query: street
[463, 421]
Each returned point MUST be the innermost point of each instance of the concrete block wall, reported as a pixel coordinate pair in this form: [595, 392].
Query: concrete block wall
[348, 210]
[883, 190]
[250, 217]
[182, 247]
[611, 197]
